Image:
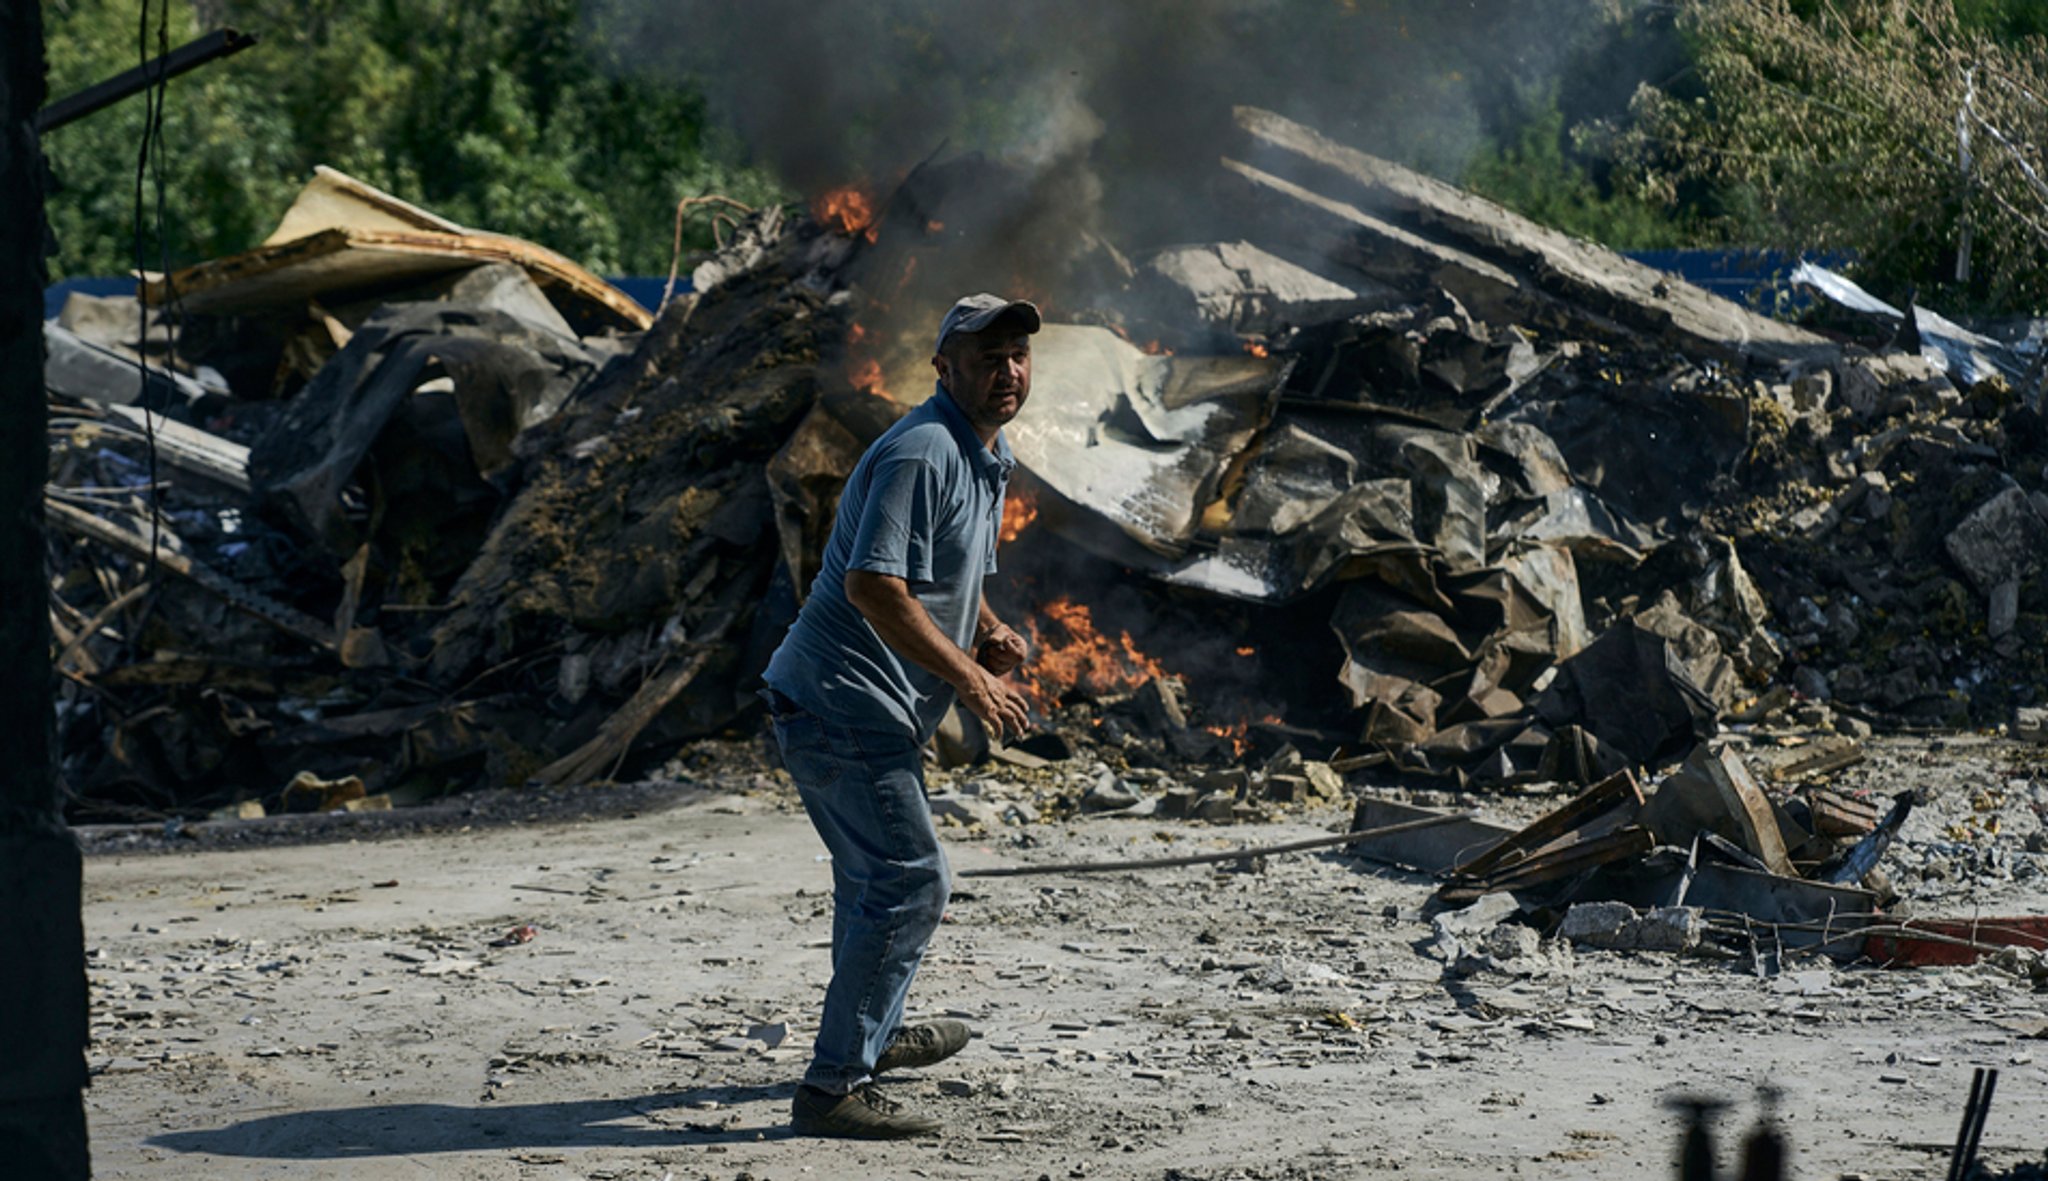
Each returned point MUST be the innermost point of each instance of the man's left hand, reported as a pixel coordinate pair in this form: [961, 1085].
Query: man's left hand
[1001, 651]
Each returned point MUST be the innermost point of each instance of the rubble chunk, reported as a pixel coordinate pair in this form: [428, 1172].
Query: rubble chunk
[2001, 540]
[965, 810]
[1108, 794]
[1236, 287]
[1616, 926]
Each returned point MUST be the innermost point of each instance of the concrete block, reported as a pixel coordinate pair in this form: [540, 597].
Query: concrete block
[1999, 540]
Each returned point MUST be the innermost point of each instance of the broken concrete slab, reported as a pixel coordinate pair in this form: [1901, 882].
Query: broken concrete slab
[1108, 794]
[1293, 218]
[2001, 540]
[1611, 289]
[1237, 288]
[2002, 612]
[1616, 926]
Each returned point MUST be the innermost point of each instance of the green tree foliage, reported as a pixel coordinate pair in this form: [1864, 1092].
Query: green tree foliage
[579, 123]
[1536, 174]
[1841, 124]
[503, 114]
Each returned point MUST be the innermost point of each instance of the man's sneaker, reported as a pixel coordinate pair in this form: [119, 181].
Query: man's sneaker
[865, 1114]
[922, 1045]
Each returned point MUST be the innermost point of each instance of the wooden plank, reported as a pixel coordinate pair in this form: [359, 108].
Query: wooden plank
[286, 619]
[1565, 858]
[615, 736]
[1837, 815]
[1617, 792]
[1825, 758]
[191, 449]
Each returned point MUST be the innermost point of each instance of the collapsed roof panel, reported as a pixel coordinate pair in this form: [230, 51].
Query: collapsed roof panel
[1140, 440]
[345, 238]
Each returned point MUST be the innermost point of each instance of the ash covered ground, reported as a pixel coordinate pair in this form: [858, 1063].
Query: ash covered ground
[377, 1008]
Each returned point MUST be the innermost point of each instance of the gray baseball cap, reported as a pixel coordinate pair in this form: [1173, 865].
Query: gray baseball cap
[976, 312]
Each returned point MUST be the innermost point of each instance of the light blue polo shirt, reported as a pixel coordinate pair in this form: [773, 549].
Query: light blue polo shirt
[925, 503]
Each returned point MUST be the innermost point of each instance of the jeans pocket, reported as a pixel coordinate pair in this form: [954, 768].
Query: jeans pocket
[805, 752]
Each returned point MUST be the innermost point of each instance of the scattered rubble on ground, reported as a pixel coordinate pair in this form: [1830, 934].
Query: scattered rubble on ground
[1291, 1018]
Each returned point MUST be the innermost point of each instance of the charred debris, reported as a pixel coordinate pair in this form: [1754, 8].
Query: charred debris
[1383, 480]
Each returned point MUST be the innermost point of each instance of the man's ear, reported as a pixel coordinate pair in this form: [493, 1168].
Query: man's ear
[942, 367]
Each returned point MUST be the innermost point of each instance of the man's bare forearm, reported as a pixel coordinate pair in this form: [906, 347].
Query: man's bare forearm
[987, 623]
[904, 625]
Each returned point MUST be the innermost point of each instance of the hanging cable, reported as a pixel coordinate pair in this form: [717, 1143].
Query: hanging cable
[149, 174]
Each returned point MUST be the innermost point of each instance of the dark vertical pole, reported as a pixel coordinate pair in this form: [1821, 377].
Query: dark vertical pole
[42, 941]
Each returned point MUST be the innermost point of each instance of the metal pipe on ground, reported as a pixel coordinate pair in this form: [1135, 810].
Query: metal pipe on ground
[1243, 853]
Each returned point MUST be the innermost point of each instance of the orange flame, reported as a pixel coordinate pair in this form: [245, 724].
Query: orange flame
[1235, 734]
[847, 210]
[865, 375]
[1018, 512]
[863, 372]
[1255, 348]
[1074, 655]
[1247, 650]
[1238, 733]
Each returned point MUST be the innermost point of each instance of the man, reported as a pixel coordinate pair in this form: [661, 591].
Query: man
[894, 629]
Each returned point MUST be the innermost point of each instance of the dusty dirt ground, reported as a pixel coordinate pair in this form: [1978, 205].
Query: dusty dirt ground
[346, 1009]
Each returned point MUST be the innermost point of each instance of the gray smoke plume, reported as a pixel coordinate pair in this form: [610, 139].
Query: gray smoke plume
[829, 93]
[1055, 127]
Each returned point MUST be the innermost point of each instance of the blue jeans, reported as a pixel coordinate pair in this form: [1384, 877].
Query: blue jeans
[864, 790]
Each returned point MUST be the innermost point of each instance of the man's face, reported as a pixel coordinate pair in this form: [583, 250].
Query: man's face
[988, 373]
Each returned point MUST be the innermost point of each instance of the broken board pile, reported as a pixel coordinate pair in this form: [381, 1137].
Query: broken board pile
[437, 508]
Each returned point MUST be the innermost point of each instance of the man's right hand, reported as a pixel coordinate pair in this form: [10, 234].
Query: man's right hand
[999, 706]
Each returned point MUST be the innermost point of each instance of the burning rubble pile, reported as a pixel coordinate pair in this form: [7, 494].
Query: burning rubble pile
[1384, 479]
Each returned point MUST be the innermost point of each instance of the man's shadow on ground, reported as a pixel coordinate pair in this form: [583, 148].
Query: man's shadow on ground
[398, 1129]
